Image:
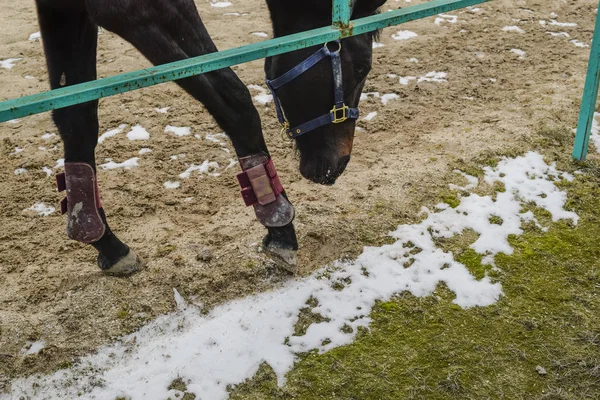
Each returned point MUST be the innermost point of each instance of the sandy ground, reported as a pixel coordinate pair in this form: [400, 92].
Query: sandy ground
[199, 238]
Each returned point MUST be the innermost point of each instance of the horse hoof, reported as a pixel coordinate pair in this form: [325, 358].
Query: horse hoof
[126, 266]
[284, 258]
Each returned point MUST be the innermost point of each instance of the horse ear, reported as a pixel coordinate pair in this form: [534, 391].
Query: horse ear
[367, 7]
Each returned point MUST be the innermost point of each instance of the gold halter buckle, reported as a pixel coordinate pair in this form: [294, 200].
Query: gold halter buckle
[339, 114]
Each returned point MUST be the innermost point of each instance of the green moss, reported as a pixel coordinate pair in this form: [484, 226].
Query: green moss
[123, 313]
[451, 199]
[472, 260]
[430, 348]
[178, 384]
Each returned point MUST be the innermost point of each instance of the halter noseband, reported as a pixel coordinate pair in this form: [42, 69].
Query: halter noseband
[340, 111]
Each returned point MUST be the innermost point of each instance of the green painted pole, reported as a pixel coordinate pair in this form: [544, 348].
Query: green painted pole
[342, 10]
[590, 96]
[77, 94]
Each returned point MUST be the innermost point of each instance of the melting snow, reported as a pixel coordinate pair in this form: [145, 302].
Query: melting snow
[35, 36]
[9, 63]
[207, 167]
[226, 346]
[388, 97]
[127, 164]
[563, 24]
[111, 133]
[220, 4]
[47, 170]
[162, 110]
[138, 133]
[177, 131]
[519, 52]
[513, 29]
[171, 184]
[263, 98]
[370, 116]
[404, 35]
[433, 76]
[48, 136]
[579, 44]
[33, 348]
[144, 151]
[43, 210]
[452, 19]
[260, 34]
[20, 171]
[377, 45]
[563, 34]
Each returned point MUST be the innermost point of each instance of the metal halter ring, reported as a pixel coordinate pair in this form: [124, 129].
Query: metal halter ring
[326, 45]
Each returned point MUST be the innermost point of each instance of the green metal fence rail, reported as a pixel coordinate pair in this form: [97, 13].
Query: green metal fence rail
[590, 96]
[342, 27]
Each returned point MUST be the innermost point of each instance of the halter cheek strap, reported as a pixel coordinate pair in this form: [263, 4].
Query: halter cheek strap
[340, 111]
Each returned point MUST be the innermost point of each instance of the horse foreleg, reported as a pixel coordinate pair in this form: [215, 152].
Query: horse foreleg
[167, 31]
[70, 39]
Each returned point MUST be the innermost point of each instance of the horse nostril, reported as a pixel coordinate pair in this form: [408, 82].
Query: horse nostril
[343, 163]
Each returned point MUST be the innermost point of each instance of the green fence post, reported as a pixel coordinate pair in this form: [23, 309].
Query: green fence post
[590, 96]
[341, 13]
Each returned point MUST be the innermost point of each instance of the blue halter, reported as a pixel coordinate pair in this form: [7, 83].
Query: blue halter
[340, 111]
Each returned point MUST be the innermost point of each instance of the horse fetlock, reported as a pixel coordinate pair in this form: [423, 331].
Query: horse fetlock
[262, 189]
[82, 204]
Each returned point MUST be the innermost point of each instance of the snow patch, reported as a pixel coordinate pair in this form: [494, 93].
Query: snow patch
[35, 36]
[111, 133]
[577, 43]
[370, 116]
[32, 348]
[207, 167]
[263, 98]
[138, 133]
[220, 4]
[386, 98]
[9, 63]
[41, 209]
[519, 52]
[404, 35]
[513, 29]
[172, 184]
[451, 19]
[178, 131]
[127, 164]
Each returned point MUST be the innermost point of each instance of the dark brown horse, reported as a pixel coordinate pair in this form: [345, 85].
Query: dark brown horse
[169, 30]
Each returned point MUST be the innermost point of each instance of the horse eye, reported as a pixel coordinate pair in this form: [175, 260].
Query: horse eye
[362, 70]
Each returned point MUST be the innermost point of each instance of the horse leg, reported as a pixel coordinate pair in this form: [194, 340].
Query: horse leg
[167, 31]
[70, 39]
